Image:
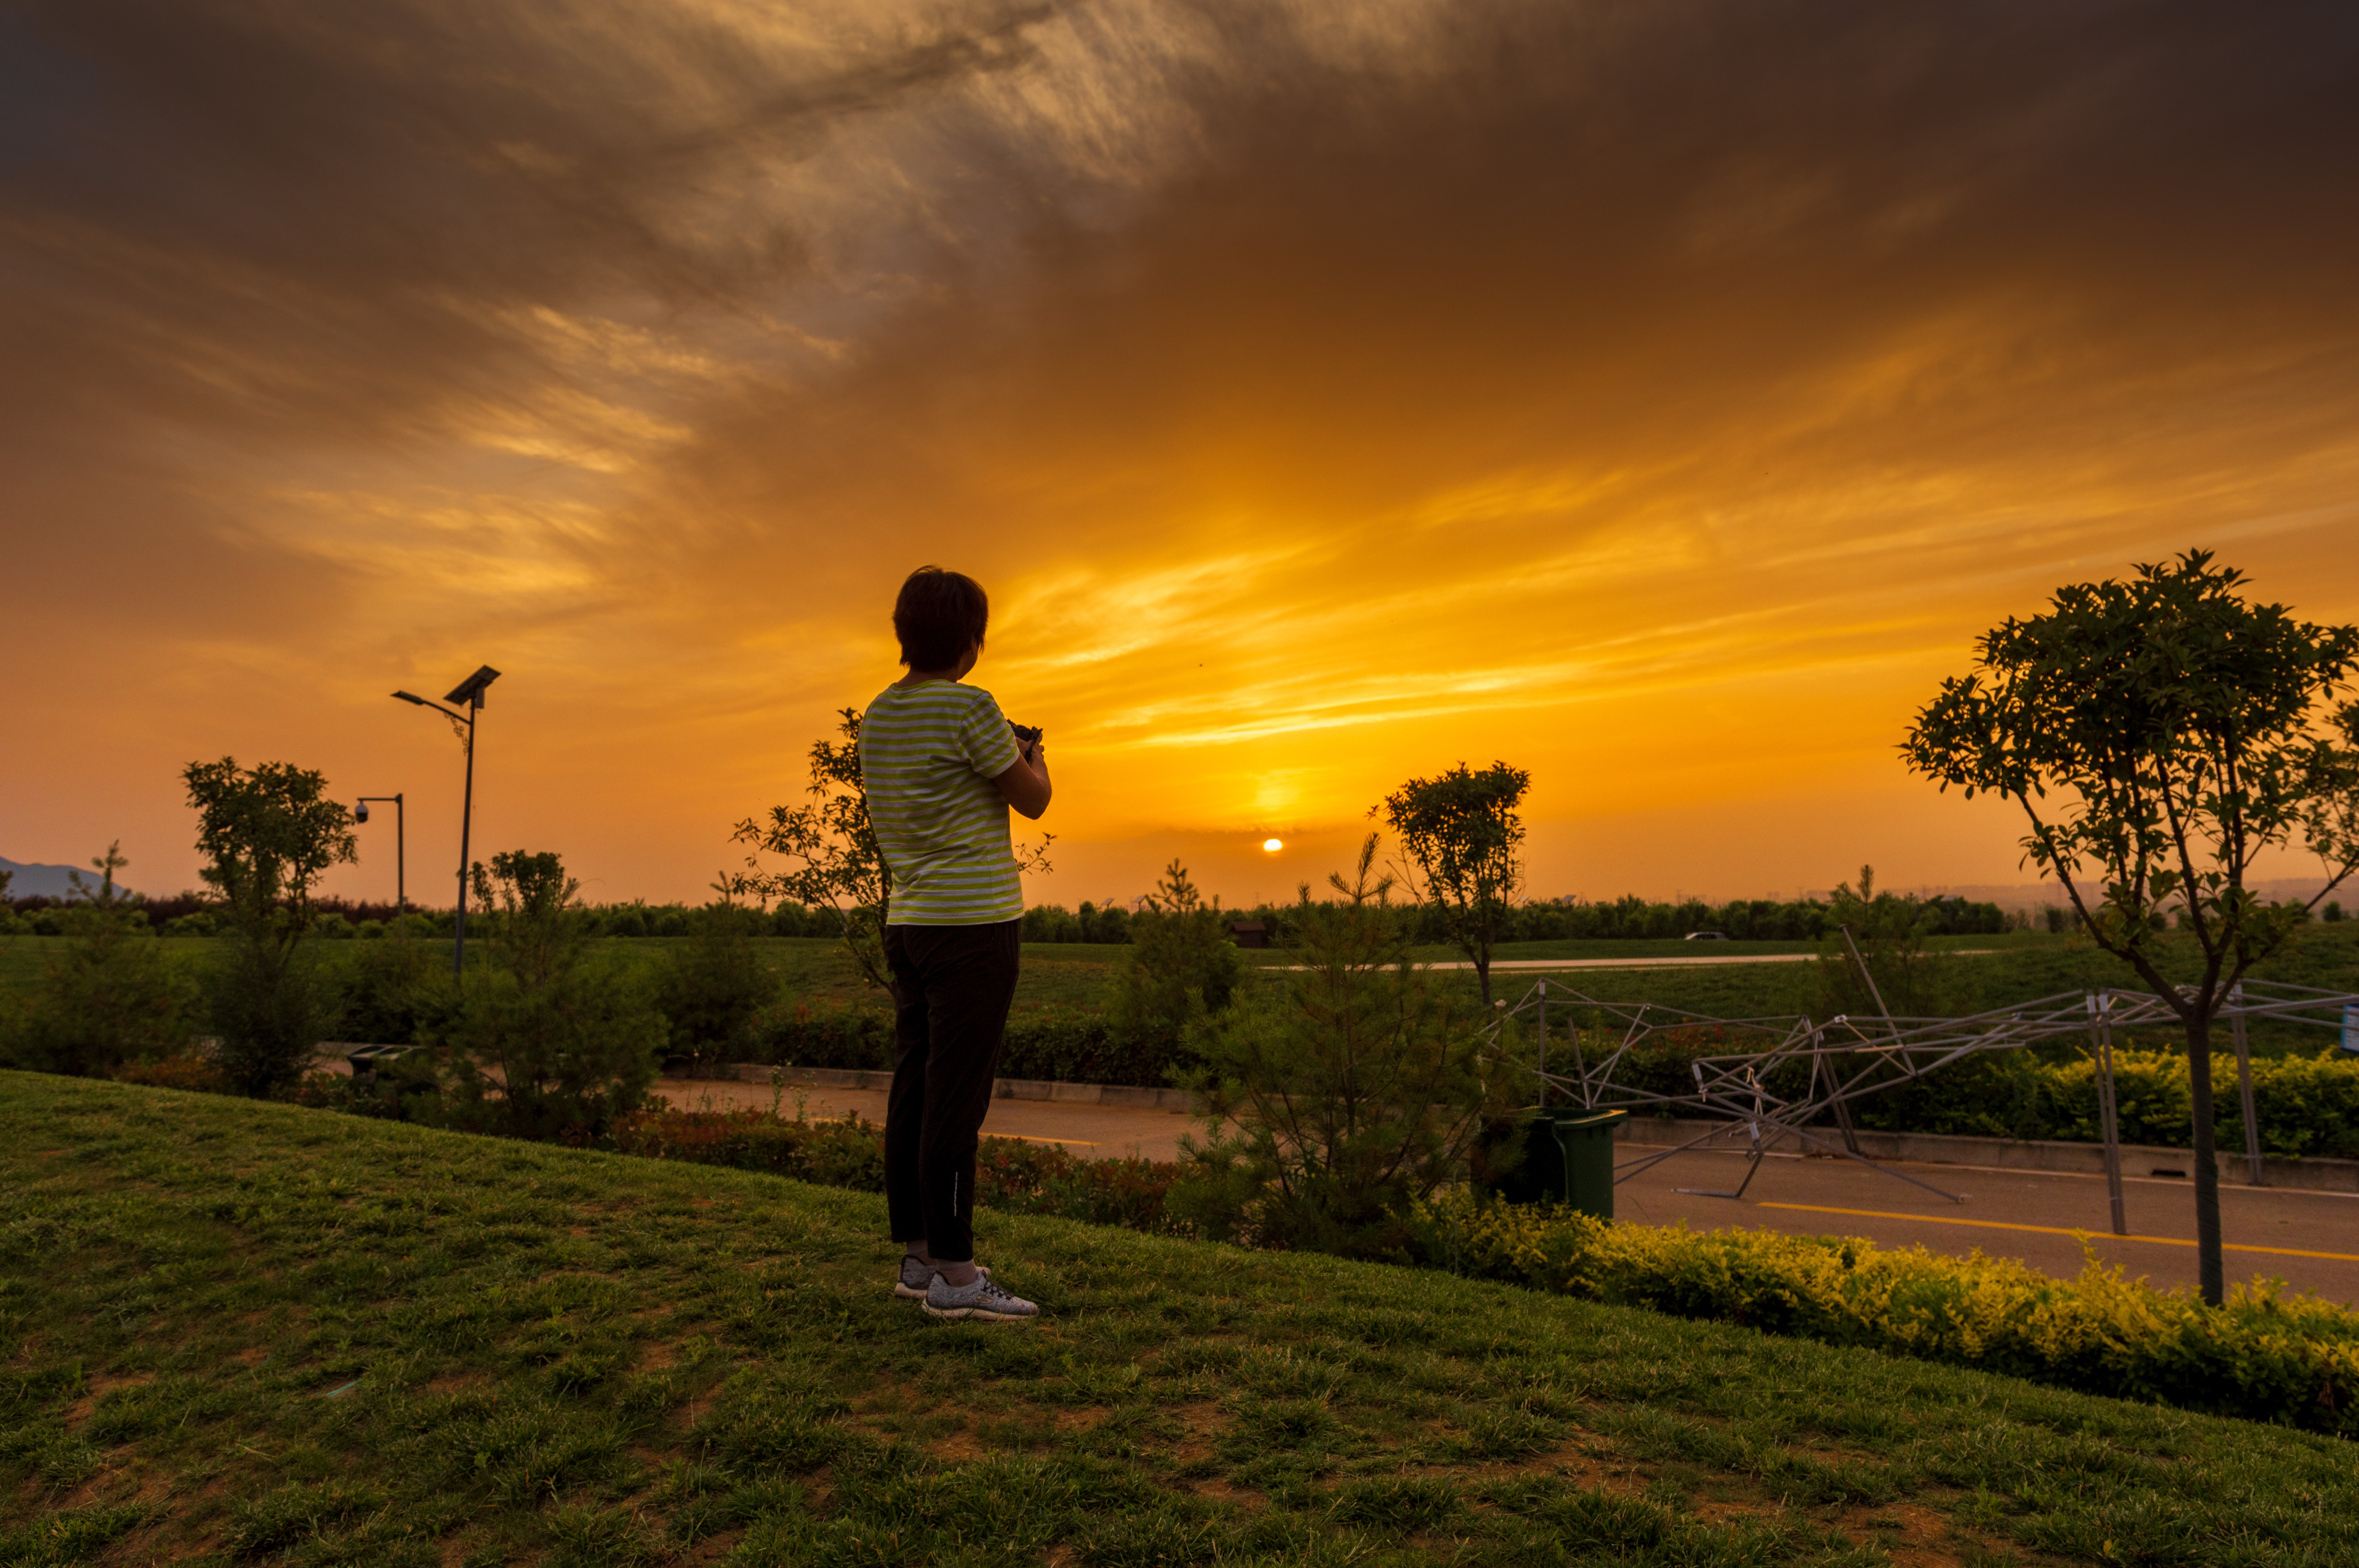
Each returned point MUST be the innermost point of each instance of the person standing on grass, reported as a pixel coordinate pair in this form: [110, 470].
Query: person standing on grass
[941, 765]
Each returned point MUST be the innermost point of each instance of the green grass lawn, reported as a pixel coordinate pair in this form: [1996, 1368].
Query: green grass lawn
[243, 1332]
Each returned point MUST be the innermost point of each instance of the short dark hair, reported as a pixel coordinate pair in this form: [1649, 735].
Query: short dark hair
[939, 617]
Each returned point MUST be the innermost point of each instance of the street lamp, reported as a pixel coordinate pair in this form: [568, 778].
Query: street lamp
[469, 692]
[400, 851]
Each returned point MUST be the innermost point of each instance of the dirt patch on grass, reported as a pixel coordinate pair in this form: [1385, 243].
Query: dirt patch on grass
[95, 1387]
[960, 1447]
[1914, 1535]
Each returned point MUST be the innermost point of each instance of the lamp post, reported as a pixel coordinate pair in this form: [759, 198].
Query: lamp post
[469, 693]
[400, 847]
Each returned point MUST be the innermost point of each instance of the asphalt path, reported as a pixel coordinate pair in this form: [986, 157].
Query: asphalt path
[2054, 1222]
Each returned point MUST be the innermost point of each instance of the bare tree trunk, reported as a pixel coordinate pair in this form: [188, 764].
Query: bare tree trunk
[2209, 1268]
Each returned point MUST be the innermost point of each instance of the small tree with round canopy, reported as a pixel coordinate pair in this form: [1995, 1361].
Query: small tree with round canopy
[2161, 735]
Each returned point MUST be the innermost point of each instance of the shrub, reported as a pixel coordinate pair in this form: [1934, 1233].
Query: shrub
[392, 987]
[714, 989]
[1357, 1094]
[107, 999]
[2263, 1355]
[546, 1043]
[820, 1034]
[197, 1074]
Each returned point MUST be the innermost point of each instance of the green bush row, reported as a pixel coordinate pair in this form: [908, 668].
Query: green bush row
[2307, 1106]
[2265, 1356]
[1059, 1044]
[1010, 1174]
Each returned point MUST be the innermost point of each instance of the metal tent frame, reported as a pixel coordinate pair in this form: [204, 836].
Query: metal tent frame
[1843, 1060]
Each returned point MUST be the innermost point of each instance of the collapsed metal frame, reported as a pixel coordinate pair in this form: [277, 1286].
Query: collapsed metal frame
[1842, 1060]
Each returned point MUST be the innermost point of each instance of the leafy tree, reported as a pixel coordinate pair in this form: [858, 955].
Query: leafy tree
[1359, 1094]
[1461, 833]
[2160, 735]
[549, 1042]
[1182, 964]
[837, 865]
[109, 997]
[267, 835]
[1909, 977]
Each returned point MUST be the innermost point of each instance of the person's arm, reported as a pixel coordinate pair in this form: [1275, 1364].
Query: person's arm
[1025, 785]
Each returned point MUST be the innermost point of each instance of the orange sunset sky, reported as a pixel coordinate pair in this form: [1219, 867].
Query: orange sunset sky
[1660, 397]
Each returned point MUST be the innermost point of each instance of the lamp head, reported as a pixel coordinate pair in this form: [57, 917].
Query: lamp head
[360, 812]
[470, 690]
[407, 697]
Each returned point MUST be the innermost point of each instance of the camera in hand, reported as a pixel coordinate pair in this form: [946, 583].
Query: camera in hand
[1026, 735]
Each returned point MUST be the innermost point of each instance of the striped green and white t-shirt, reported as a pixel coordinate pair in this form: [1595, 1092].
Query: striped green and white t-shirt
[928, 754]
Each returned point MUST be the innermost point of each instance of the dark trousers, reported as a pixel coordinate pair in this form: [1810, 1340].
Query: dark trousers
[955, 985]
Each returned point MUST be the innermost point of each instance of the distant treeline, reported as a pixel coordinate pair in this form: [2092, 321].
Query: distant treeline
[1629, 918]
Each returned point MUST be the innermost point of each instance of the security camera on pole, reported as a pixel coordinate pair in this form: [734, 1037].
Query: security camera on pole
[469, 693]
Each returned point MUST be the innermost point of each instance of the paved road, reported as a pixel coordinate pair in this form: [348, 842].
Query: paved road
[2308, 1239]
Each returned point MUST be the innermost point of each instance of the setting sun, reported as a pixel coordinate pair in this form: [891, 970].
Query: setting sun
[1272, 845]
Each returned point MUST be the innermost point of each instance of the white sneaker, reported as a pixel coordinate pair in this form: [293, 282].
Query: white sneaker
[982, 1302]
[916, 1274]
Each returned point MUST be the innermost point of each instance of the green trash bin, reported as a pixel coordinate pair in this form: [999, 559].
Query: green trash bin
[1568, 1157]
[1587, 1143]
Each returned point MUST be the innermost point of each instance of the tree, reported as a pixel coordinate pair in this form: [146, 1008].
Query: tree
[1182, 964]
[1903, 975]
[2161, 735]
[267, 834]
[841, 867]
[1355, 1097]
[1461, 833]
[550, 1044]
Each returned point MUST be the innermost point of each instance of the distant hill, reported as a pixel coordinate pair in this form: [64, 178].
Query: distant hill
[43, 882]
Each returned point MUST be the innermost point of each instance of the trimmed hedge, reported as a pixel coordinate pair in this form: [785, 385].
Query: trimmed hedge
[2307, 1106]
[1061, 1045]
[2265, 1356]
[1024, 1178]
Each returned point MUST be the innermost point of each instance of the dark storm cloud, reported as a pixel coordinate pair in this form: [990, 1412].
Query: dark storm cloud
[266, 213]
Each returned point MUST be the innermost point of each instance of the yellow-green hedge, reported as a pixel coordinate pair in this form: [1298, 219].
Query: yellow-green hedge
[2265, 1356]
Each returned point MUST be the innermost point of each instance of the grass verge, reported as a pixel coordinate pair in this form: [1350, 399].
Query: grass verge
[236, 1332]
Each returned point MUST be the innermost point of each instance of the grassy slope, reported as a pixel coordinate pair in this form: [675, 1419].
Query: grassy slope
[232, 1329]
